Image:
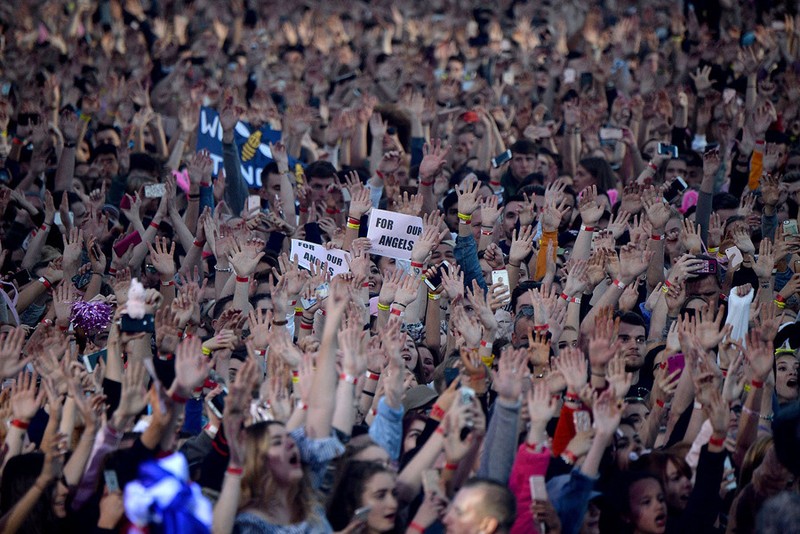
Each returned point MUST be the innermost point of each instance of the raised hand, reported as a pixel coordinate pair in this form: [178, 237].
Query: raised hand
[25, 402]
[690, 237]
[552, 215]
[521, 245]
[200, 166]
[430, 238]
[709, 330]
[191, 366]
[467, 193]
[161, 256]
[433, 161]
[407, 291]
[591, 210]
[541, 406]
[243, 259]
[573, 366]
[607, 412]
[633, 262]
[617, 377]
[603, 342]
[352, 345]
[11, 344]
[511, 371]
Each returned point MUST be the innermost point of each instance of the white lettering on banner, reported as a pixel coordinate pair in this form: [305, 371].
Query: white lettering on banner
[393, 234]
[214, 129]
[307, 253]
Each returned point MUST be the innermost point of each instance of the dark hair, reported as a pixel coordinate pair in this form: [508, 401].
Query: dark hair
[105, 148]
[601, 172]
[520, 290]
[320, 169]
[497, 502]
[348, 489]
[656, 463]
[620, 498]
[19, 475]
[630, 318]
[724, 201]
[523, 146]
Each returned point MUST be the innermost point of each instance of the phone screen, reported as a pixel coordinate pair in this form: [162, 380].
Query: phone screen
[501, 158]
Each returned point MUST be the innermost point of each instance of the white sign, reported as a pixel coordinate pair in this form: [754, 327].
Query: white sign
[308, 253]
[393, 234]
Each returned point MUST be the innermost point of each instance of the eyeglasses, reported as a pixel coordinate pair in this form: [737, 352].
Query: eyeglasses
[640, 340]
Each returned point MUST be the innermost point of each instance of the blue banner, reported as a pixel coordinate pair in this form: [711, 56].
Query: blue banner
[253, 145]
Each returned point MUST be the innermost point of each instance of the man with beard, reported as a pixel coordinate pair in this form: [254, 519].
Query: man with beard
[632, 337]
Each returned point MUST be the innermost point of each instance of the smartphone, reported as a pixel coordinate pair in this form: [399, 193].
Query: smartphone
[667, 150]
[450, 374]
[125, 202]
[154, 190]
[253, 203]
[790, 227]
[321, 292]
[734, 256]
[112, 482]
[430, 481]
[90, 360]
[610, 134]
[538, 488]
[362, 513]
[58, 221]
[130, 240]
[217, 403]
[500, 276]
[467, 394]
[674, 190]
[778, 25]
[582, 420]
[135, 326]
[433, 282]
[501, 158]
[675, 362]
[709, 266]
[23, 276]
[587, 80]
[570, 75]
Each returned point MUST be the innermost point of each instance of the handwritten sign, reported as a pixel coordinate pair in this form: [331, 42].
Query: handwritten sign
[253, 145]
[308, 253]
[393, 234]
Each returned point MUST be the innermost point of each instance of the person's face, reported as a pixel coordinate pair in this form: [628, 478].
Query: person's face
[427, 363]
[569, 338]
[708, 289]
[455, 70]
[441, 253]
[511, 217]
[591, 521]
[107, 137]
[648, 507]
[375, 278]
[636, 412]
[319, 188]
[786, 377]
[451, 218]
[107, 165]
[379, 494]
[626, 442]
[678, 487]
[632, 343]
[409, 353]
[464, 516]
[582, 179]
[544, 164]
[283, 456]
[672, 234]
[465, 144]
[694, 175]
[522, 165]
[60, 493]
[675, 168]
[271, 186]
[414, 431]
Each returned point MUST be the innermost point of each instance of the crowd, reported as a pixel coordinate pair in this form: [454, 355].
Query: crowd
[364, 267]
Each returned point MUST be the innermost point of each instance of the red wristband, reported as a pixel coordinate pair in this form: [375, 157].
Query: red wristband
[353, 220]
[758, 384]
[426, 184]
[306, 326]
[372, 375]
[564, 296]
[43, 227]
[177, 398]
[154, 225]
[416, 526]
[112, 271]
[570, 456]
[484, 343]
[660, 403]
[45, 282]
[780, 298]
[199, 244]
[22, 425]
[541, 328]
[493, 183]
[395, 311]
[243, 279]
[657, 237]
[437, 413]
[717, 442]
[417, 264]
[572, 396]
[450, 467]
[652, 165]
[234, 471]
[350, 379]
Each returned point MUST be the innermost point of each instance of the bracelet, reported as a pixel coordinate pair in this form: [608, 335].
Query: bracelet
[154, 224]
[395, 311]
[541, 328]
[657, 237]
[416, 526]
[779, 304]
[353, 226]
[44, 227]
[483, 343]
[464, 217]
[652, 165]
[758, 384]
[306, 326]
[716, 442]
[199, 244]
[372, 375]
[235, 471]
[487, 232]
[425, 184]
[438, 413]
[585, 228]
[418, 264]
[569, 457]
[433, 296]
[45, 282]
[177, 398]
[354, 220]
[205, 350]
[350, 379]
[166, 356]
[619, 284]
[383, 307]
[22, 425]
[780, 298]
[167, 284]
[301, 406]
[242, 279]
[112, 271]
[660, 403]
[279, 322]
[713, 250]
[450, 467]
[195, 196]
[211, 429]
[295, 376]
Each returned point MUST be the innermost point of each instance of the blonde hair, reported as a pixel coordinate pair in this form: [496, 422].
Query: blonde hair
[259, 487]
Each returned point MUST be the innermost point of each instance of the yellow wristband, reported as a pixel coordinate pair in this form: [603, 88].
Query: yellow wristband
[464, 217]
[206, 351]
[433, 296]
[383, 307]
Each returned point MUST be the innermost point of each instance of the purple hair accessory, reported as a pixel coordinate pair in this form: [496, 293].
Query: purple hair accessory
[93, 316]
